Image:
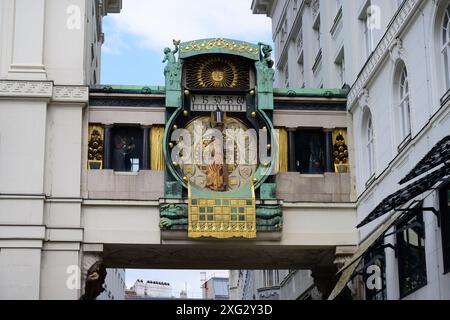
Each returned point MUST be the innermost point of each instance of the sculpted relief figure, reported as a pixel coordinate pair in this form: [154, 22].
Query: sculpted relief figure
[264, 66]
[172, 71]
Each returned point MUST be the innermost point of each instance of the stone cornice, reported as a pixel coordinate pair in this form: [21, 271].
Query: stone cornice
[26, 89]
[43, 89]
[70, 94]
[401, 19]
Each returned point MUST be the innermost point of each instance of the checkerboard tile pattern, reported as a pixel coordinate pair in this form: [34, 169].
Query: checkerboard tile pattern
[222, 218]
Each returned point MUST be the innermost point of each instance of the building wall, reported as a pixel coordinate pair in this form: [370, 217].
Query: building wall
[405, 32]
[430, 122]
[216, 288]
[114, 285]
[296, 285]
[295, 25]
[43, 92]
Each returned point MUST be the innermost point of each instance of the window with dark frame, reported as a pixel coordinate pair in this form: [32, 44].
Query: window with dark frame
[310, 151]
[444, 209]
[375, 257]
[126, 149]
[411, 253]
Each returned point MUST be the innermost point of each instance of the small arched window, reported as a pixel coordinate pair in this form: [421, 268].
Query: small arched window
[370, 147]
[404, 104]
[445, 50]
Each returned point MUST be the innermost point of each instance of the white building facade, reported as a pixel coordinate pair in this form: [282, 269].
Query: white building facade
[114, 285]
[50, 54]
[395, 57]
[152, 289]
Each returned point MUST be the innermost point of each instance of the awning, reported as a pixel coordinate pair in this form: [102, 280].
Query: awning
[399, 198]
[439, 154]
[348, 270]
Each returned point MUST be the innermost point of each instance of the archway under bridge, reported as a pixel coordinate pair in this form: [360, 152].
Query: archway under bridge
[324, 262]
[129, 239]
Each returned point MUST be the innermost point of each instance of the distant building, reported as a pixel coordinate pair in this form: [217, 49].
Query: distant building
[183, 294]
[150, 290]
[273, 285]
[216, 288]
[114, 285]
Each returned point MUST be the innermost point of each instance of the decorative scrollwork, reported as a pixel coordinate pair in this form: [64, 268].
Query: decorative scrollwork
[220, 43]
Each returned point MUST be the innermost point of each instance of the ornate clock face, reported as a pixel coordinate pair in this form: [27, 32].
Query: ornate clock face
[231, 166]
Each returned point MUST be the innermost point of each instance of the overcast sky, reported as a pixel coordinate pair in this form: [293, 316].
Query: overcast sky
[133, 54]
[135, 38]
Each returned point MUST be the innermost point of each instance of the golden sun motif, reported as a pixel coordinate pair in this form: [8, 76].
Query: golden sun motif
[217, 72]
[217, 76]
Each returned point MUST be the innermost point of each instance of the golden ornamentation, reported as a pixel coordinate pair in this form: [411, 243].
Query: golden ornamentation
[225, 174]
[185, 113]
[215, 177]
[220, 43]
[186, 92]
[282, 159]
[253, 114]
[95, 147]
[252, 92]
[157, 161]
[340, 151]
[221, 217]
[217, 71]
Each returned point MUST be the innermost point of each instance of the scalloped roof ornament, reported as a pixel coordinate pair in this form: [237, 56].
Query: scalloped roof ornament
[220, 45]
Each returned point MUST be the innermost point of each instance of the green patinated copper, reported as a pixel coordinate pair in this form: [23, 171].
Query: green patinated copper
[310, 92]
[264, 78]
[219, 45]
[268, 191]
[263, 173]
[261, 53]
[175, 216]
[278, 92]
[129, 89]
[172, 73]
[173, 190]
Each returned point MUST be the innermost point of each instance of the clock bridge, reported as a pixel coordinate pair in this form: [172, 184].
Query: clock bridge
[147, 205]
[170, 176]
